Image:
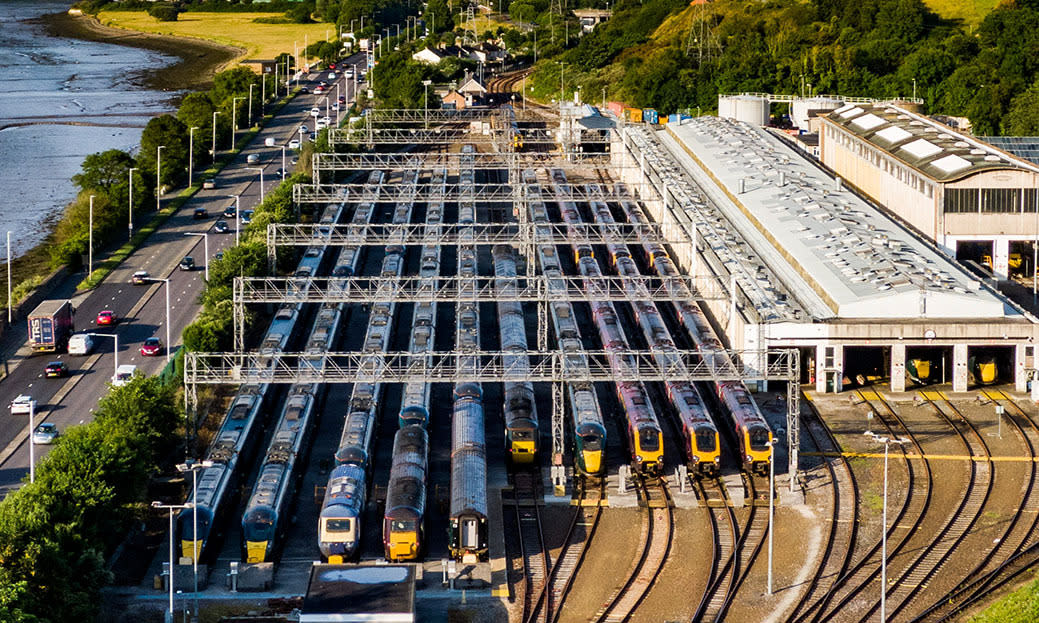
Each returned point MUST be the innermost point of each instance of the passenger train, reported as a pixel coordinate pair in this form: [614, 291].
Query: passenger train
[645, 437]
[521, 418]
[585, 416]
[467, 523]
[749, 426]
[404, 518]
[700, 439]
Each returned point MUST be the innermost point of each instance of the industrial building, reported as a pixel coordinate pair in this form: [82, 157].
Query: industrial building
[977, 202]
[809, 264]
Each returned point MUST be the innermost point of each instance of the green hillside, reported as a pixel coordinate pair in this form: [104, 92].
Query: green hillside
[968, 12]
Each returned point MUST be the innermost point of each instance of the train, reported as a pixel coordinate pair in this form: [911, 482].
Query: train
[350, 256]
[645, 437]
[404, 517]
[467, 522]
[700, 439]
[984, 369]
[521, 418]
[752, 432]
[585, 415]
[346, 493]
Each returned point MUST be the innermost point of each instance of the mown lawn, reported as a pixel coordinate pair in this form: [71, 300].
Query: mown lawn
[969, 12]
[261, 41]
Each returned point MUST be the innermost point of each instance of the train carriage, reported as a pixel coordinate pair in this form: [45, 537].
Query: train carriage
[403, 521]
[467, 523]
[339, 530]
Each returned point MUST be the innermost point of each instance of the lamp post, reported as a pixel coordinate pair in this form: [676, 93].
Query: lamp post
[887, 441]
[10, 303]
[32, 450]
[158, 177]
[193, 466]
[129, 210]
[283, 171]
[261, 179]
[167, 282]
[115, 350]
[215, 113]
[234, 121]
[251, 85]
[191, 154]
[771, 505]
[169, 578]
[205, 239]
[90, 237]
[237, 215]
[425, 101]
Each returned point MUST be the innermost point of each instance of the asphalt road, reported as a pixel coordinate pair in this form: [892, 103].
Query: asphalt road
[142, 309]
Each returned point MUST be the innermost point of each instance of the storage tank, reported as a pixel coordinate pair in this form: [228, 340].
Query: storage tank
[802, 105]
[752, 109]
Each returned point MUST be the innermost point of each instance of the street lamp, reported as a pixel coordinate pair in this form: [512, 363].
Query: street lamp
[887, 441]
[90, 237]
[191, 154]
[32, 450]
[237, 216]
[129, 209]
[283, 171]
[158, 177]
[234, 121]
[167, 282]
[193, 466]
[169, 577]
[215, 113]
[115, 350]
[10, 303]
[771, 504]
[425, 101]
[261, 177]
[205, 238]
[251, 104]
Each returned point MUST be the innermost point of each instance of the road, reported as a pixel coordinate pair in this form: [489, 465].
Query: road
[142, 309]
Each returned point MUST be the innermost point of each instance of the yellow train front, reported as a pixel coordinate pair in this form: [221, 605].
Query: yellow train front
[752, 432]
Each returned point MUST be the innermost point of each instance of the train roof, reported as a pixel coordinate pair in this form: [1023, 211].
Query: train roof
[840, 256]
[359, 593]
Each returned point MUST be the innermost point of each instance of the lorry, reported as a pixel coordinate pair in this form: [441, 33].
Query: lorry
[51, 325]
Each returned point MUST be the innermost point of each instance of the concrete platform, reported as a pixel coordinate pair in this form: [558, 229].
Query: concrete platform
[735, 488]
[616, 498]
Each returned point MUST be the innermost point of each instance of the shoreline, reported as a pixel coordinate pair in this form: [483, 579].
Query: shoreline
[198, 60]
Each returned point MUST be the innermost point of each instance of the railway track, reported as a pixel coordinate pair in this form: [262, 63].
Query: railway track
[862, 573]
[725, 529]
[1019, 537]
[536, 562]
[586, 517]
[657, 535]
[840, 543]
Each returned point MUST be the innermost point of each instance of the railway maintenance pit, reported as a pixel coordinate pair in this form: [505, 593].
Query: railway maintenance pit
[675, 501]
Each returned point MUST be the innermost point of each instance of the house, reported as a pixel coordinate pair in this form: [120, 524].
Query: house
[472, 90]
[590, 18]
[453, 100]
[429, 56]
[485, 52]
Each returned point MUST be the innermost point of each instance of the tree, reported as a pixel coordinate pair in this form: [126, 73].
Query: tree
[1023, 117]
[169, 132]
[164, 12]
[437, 16]
[232, 83]
[103, 171]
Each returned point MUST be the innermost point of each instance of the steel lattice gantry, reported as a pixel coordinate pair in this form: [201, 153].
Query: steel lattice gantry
[541, 366]
[500, 193]
[431, 136]
[480, 161]
[419, 115]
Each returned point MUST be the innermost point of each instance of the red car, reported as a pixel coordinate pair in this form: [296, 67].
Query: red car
[151, 347]
[106, 318]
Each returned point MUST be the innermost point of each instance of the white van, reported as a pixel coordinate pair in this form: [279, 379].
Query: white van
[269, 141]
[81, 344]
[123, 374]
[252, 158]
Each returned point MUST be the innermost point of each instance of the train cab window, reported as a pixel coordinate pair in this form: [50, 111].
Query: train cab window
[591, 443]
[522, 435]
[402, 526]
[649, 440]
[758, 438]
[706, 441]
[339, 525]
[258, 527]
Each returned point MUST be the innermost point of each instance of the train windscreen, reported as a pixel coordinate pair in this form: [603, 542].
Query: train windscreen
[258, 527]
[758, 438]
[591, 443]
[706, 440]
[649, 440]
[400, 525]
[522, 435]
[338, 525]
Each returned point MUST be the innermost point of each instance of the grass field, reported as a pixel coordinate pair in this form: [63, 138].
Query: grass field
[260, 41]
[969, 12]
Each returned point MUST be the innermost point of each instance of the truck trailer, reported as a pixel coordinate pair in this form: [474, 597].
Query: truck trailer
[50, 326]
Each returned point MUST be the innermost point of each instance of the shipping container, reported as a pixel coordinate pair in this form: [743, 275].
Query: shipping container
[633, 115]
[650, 116]
[51, 325]
[616, 108]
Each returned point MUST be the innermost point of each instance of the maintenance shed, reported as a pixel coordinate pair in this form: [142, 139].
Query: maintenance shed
[806, 263]
[345, 593]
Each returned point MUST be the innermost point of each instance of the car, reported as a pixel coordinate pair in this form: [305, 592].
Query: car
[294, 143]
[23, 404]
[348, 72]
[200, 213]
[269, 141]
[106, 317]
[321, 124]
[315, 112]
[221, 227]
[252, 158]
[45, 434]
[331, 75]
[140, 278]
[219, 255]
[303, 128]
[342, 99]
[56, 370]
[188, 263]
[304, 90]
[324, 84]
[247, 215]
[151, 347]
[312, 136]
[335, 105]
[279, 172]
[295, 160]
[81, 344]
[331, 65]
[229, 211]
[209, 183]
[319, 89]
[123, 374]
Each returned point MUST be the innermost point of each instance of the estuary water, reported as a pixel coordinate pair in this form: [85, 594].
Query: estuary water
[61, 99]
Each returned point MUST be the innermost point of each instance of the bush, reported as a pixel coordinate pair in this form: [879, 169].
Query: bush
[164, 12]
